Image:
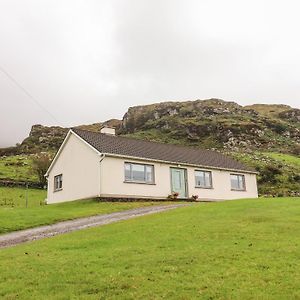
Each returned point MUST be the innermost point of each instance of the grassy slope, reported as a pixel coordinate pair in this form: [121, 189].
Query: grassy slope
[230, 250]
[285, 183]
[16, 197]
[17, 168]
[21, 218]
[285, 158]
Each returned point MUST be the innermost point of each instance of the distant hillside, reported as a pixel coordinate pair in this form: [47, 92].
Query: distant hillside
[212, 123]
[255, 134]
[48, 139]
[217, 124]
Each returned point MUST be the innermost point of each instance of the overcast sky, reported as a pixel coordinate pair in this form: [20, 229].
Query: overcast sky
[88, 61]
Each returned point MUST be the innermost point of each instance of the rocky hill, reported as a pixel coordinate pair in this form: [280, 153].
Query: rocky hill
[254, 134]
[217, 124]
[212, 123]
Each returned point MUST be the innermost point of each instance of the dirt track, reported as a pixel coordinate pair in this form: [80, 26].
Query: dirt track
[22, 236]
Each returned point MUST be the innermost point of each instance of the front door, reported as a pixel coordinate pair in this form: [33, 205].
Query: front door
[178, 182]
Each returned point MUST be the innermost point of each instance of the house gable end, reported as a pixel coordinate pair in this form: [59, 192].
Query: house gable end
[61, 148]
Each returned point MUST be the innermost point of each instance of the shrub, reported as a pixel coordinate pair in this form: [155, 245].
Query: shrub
[40, 165]
[268, 174]
[296, 149]
[173, 196]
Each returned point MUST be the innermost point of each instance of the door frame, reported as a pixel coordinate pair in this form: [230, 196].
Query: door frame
[185, 180]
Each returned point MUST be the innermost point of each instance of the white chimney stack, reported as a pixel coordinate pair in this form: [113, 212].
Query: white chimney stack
[108, 130]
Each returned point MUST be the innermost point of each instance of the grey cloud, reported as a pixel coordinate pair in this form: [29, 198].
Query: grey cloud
[88, 60]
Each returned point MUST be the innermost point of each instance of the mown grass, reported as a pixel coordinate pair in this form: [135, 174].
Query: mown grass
[248, 249]
[14, 215]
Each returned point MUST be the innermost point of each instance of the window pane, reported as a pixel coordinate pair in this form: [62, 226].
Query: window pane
[203, 178]
[138, 172]
[207, 179]
[237, 182]
[200, 180]
[241, 182]
[149, 173]
[234, 182]
[127, 172]
[58, 182]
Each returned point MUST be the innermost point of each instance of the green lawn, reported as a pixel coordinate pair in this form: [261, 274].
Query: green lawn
[14, 215]
[244, 249]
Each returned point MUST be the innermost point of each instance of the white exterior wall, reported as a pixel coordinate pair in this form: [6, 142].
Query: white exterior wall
[79, 165]
[84, 176]
[113, 185]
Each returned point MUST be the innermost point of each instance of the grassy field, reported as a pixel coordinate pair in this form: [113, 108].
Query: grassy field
[230, 250]
[17, 168]
[16, 197]
[14, 215]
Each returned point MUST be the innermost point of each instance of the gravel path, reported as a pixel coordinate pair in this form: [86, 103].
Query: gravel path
[37, 233]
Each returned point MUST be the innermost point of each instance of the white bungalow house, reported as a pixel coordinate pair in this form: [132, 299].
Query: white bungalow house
[90, 164]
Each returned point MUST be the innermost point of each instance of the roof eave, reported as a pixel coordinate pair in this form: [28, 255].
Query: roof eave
[179, 163]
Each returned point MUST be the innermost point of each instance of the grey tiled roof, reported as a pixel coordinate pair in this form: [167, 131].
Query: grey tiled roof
[157, 151]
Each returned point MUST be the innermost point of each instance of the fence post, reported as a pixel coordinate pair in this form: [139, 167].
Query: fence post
[26, 197]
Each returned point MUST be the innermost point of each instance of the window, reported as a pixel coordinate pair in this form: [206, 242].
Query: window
[203, 179]
[237, 182]
[58, 182]
[139, 173]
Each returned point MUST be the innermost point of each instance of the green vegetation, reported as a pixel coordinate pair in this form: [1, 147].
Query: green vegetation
[279, 174]
[17, 168]
[215, 123]
[17, 217]
[16, 197]
[245, 249]
[285, 158]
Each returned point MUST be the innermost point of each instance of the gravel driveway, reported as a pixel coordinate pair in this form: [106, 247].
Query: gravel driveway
[22, 236]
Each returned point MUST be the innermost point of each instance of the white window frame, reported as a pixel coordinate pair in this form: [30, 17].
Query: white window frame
[145, 170]
[58, 182]
[210, 186]
[243, 181]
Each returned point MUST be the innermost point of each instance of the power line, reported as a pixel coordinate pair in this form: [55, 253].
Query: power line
[28, 94]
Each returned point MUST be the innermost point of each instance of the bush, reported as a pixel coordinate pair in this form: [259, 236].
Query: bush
[173, 196]
[40, 165]
[296, 149]
[268, 174]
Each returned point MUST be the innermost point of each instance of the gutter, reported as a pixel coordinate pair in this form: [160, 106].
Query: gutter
[179, 164]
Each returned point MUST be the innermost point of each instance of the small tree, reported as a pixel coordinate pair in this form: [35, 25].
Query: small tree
[40, 165]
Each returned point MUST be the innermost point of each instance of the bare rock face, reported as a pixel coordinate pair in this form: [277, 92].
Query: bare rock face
[43, 138]
[215, 123]
[291, 115]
